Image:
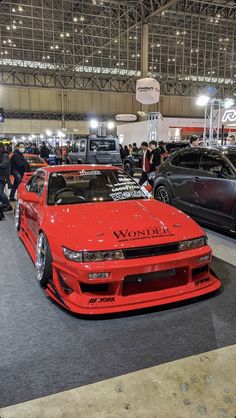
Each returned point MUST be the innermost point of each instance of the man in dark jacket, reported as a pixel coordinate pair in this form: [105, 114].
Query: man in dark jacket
[4, 175]
[19, 166]
[155, 157]
[44, 151]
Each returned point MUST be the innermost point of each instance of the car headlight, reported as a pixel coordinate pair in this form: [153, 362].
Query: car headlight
[193, 243]
[90, 256]
[73, 255]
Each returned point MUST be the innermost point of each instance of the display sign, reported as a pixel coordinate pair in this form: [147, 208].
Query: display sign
[2, 117]
[126, 118]
[147, 91]
[229, 116]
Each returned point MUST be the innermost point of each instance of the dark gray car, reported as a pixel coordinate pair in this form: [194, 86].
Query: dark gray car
[202, 183]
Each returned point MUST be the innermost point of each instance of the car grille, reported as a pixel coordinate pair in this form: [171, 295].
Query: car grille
[155, 281]
[151, 250]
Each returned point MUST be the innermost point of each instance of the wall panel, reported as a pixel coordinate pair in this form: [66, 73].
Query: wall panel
[49, 100]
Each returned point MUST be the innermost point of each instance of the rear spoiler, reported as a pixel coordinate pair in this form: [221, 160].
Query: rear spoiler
[26, 177]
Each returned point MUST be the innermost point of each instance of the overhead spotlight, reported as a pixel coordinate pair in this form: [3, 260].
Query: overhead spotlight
[94, 124]
[48, 132]
[62, 35]
[75, 19]
[8, 28]
[67, 34]
[13, 10]
[228, 103]
[203, 100]
[110, 125]
[20, 9]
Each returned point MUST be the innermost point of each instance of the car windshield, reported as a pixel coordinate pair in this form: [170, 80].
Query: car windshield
[102, 145]
[85, 186]
[232, 157]
[34, 160]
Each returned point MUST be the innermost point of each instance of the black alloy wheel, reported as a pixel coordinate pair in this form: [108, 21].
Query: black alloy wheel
[163, 194]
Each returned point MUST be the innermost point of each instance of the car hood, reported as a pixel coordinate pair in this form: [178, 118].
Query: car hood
[112, 225]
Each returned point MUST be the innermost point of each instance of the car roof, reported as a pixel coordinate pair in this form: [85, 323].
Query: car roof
[78, 167]
[220, 148]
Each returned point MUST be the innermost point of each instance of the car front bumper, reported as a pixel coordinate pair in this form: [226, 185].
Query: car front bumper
[134, 283]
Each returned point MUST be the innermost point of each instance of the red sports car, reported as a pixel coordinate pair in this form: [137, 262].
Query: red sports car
[100, 244]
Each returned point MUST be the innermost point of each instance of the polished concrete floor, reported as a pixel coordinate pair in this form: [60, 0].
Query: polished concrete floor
[53, 364]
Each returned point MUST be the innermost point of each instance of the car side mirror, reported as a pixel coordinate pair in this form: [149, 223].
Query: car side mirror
[31, 197]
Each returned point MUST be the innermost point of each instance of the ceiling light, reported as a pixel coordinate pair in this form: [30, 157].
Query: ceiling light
[20, 22]
[86, 61]
[81, 31]
[81, 18]
[110, 125]
[13, 10]
[75, 19]
[51, 47]
[56, 47]
[99, 51]
[9, 41]
[20, 9]
[48, 57]
[48, 132]
[203, 100]
[4, 42]
[62, 35]
[5, 52]
[14, 45]
[67, 34]
[94, 124]
[8, 28]
[13, 27]
[228, 103]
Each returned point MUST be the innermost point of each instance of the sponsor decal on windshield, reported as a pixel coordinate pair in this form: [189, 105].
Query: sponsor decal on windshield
[146, 233]
[90, 172]
[126, 195]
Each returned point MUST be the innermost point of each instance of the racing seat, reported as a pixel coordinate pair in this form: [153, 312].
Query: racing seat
[56, 183]
[97, 188]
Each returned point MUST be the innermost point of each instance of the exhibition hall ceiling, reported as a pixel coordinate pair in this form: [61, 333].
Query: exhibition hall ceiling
[188, 40]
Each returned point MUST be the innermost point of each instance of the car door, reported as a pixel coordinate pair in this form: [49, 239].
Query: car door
[180, 174]
[32, 212]
[212, 190]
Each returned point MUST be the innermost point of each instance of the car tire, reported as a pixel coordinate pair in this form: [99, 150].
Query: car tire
[17, 217]
[163, 194]
[43, 262]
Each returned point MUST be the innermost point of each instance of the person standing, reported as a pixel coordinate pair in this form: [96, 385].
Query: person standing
[58, 154]
[155, 156]
[4, 176]
[145, 163]
[19, 166]
[44, 152]
[194, 141]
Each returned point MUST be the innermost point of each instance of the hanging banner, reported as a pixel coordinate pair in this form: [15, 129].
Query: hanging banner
[147, 91]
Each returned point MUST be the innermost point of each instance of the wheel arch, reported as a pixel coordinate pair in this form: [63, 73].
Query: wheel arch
[162, 181]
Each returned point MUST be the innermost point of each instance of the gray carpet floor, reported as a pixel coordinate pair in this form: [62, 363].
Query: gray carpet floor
[44, 349]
